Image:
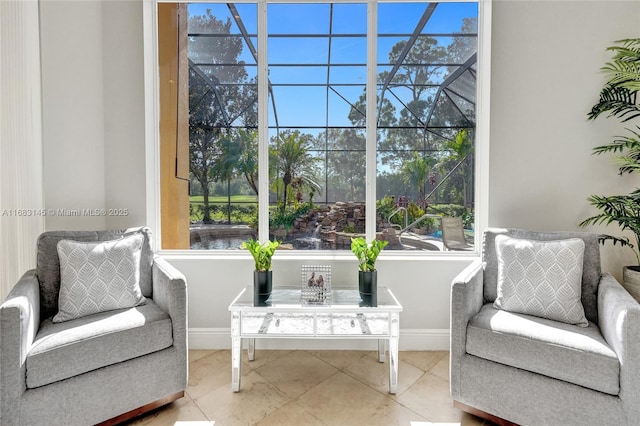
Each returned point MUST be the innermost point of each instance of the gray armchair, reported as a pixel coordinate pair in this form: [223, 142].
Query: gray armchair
[522, 369]
[105, 367]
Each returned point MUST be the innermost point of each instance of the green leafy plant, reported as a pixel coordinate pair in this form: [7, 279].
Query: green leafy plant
[261, 252]
[367, 253]
[619, 98]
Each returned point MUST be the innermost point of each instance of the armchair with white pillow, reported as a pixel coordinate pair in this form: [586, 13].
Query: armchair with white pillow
[539, 336]
[96, 333]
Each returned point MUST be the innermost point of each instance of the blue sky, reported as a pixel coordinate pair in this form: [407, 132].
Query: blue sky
[306, 106]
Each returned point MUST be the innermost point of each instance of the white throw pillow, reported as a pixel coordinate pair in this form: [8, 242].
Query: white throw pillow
[541, 278]
[98, 276]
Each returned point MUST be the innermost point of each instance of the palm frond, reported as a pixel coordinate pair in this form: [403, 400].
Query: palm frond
[618, 101]
[624, 74]
[629, 147]
[624, 242]
[628, 48]
[618, 145]
[626, 164]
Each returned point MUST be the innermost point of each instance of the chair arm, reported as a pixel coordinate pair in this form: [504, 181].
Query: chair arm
[619, 321]
[19, 323]
[467, 295]
[170, 294]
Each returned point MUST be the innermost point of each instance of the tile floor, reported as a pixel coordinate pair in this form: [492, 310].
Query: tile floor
[305, 387]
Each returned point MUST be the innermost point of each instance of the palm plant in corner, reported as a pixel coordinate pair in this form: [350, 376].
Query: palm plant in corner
[262, 275]
[619, 98]
[367, 253]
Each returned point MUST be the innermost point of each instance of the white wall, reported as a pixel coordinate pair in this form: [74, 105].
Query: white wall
[73, 111]
[93, 94]
[545, 78]
[545, 60]
[123, 86]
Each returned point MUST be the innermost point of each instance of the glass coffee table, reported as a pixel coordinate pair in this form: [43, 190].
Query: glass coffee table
[343, 316]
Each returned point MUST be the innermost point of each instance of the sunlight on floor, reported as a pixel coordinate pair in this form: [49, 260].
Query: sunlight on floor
[187, 423]
[434, 424]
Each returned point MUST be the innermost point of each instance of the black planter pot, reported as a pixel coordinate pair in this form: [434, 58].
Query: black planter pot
[261, 287]
[368, 287]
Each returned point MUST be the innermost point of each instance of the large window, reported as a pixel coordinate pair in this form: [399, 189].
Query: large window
[313, 122]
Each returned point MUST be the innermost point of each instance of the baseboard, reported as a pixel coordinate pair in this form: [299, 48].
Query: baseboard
[410, 340]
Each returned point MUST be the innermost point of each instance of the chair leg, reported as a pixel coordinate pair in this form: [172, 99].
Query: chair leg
[141, 410]
[479, 413]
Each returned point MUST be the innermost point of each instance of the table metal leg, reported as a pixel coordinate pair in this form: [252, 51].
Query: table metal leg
[382, 350]
[236, 352]
[251, 352]
[393, 353]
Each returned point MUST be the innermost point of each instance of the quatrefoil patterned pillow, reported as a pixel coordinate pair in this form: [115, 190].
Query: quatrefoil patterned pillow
[99, 276]
[541, 278]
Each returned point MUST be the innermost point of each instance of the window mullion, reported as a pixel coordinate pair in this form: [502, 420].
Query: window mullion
[371, 121]
[263, 124]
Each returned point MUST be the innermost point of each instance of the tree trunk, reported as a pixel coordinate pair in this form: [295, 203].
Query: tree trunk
[205, 195]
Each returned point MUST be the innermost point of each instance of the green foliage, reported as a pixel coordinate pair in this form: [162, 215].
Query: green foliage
[261, 252]
[349, 229]
[629, 147]
[415, 212]
[385, 207]
[280, 217]
[240, 214]
[367, 253]
[619, 98]
[622, 209]
[620, 94]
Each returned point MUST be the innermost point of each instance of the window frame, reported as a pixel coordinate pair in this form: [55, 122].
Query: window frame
[152, 133]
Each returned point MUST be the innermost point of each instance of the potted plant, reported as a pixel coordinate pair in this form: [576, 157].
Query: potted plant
[367, 253]
[619, 98]
[262, 275]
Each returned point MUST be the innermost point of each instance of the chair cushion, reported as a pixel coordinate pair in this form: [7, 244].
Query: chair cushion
[541, 278]
[577, 355]
[98, 277]
[67, 349]
[48, 262]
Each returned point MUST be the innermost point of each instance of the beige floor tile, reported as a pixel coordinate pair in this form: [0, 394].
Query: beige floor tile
[314, 388]
[376, 374]
[392, 413]
[257, 399]
[209, 372]
[441, 369]
[291, 414]
[340, 359]
[196, 354]
[430, 398]
[424, 360]
[296, 373]
[342, 400]
[262, 357]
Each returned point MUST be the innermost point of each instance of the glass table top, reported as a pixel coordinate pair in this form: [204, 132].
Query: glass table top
[289, 299]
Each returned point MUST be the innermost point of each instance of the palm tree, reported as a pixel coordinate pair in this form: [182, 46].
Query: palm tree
[460, 150]
[619, 97]
[416, 172]
[248, 162]
[294, 161]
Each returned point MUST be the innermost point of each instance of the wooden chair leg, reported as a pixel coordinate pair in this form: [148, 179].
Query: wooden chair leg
[141, 410]
[479, 413]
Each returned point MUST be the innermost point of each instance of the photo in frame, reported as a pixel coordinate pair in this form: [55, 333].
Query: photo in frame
[316, 283]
